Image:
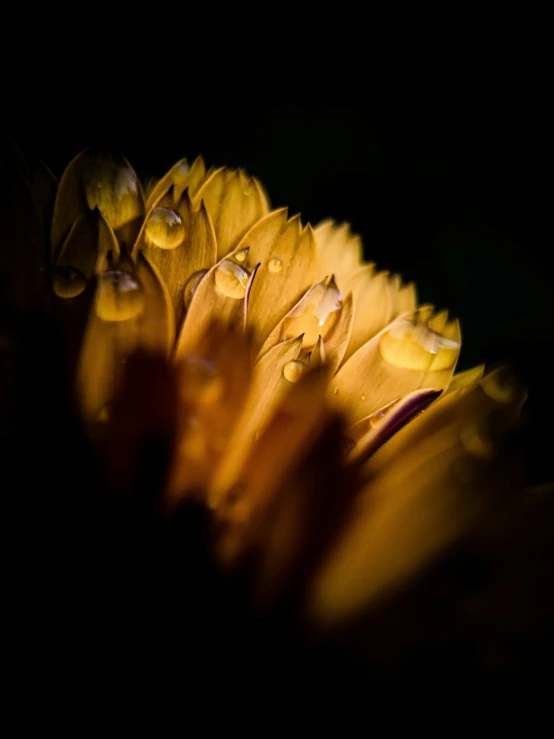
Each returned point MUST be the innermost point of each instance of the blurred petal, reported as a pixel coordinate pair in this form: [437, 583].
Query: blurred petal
[268, 388]
[340, 253]
[467, 379]
[404, 300]
[131, 310]
[425, 489]
[214, 380]
[287, 257]
[89, 239]
[235, 203]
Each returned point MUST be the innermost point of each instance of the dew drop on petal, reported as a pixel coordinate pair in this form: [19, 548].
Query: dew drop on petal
[293, 371]
[192, 285]
[231, 279]
[275, 265]
[315, 316]
[241, 255]
[363, 397]
[68, 282]
[165, 228]
[119, 296]
[336, 391]
[410, 345]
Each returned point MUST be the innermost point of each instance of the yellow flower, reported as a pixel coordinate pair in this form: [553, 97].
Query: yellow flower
[291, 374]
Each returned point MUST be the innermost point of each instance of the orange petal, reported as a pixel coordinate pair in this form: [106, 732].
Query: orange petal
[180, 177]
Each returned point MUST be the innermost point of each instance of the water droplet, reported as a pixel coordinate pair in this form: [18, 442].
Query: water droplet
[293, 371]
[415, 346]
[165, 228]
[68, 282]
[336, 391]
[113, 189]
[119, 296]
[231, 280]
[275, 265]
[241, 255]
[315, 316]
[192, 285]
[363, 397]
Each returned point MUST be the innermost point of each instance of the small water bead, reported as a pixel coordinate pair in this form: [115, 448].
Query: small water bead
[363, 397]
[231, 279]
[114, 190]
[293, 371]
[241, 255]
[192, 285]
[68, 282]
[165, 228]
[275, 265]
[119, 296]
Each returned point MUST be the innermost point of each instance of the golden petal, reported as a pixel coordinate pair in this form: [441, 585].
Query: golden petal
[235, 203]
[340, 252]
[287, 257]
[195, 252]
[222, 295]
[397, 361]
[95, 180]
[372, 305]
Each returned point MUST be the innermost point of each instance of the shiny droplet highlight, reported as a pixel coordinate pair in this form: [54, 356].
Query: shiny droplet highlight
[241, 255]
[275, 265]
[68, 282]
[165, 228]
[293, 371]
[119, 296]
[231, 280]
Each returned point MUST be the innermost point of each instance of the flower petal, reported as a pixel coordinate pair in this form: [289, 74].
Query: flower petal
[372, 305]
[235, 203]
[268, 388]
[400, 359]
[108, 342]
[222, 295]
[98, 180]
[180, 177]
[425, 490]
[340, 252]
[288, 267]
[196, 252]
